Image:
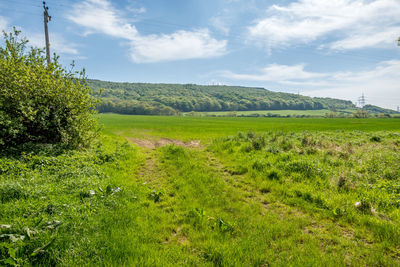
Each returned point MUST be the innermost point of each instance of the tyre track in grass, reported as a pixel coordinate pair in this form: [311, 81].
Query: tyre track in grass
[149, 145]
[155, 177]
[329, 235]
[322, 230]
[168, 237]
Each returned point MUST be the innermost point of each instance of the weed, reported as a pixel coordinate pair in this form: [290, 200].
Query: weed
[364, 206]
[222, 225]
[238, 170]
[337, 212]
[286, 144]
[308, 140]
[320, 202]
[246, 148]
[298, 193]
[273, 149]
[311, 151]
[258, 165]
[84, 194]
[258, 143]
[375, 139]
[307, 197]
[273, 175]
[240, 135]
[265, 188]
[307, 168]
[196, 217]
[156, 195]
[213, 256]
[11, 191]
[342, 183]
[250, 134]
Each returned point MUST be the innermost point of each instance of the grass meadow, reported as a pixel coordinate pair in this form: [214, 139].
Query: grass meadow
[250, 192]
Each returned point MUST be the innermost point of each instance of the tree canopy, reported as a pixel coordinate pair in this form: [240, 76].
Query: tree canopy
[170, 99]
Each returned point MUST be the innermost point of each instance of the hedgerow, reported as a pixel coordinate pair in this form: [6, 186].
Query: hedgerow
[42, 103]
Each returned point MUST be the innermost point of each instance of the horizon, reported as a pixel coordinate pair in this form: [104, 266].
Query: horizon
[307, 47]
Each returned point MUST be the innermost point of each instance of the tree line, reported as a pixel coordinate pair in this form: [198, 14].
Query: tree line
[171, 99]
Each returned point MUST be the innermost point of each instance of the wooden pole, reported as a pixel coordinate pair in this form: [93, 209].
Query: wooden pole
[47, 18]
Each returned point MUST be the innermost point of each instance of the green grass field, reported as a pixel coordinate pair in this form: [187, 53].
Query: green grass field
[206, 128]
[316, 113]
[252, 192]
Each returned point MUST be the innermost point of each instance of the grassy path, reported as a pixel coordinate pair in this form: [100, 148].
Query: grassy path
[275, 192]
[203, 213]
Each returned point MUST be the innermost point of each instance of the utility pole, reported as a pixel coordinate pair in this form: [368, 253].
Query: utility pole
[47, 18]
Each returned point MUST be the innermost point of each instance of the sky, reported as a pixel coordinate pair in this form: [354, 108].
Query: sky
[340, 49]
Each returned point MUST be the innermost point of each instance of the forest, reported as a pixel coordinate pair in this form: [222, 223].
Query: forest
[172, 99]
[376, 109]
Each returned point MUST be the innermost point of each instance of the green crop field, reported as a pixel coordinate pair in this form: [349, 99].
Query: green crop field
[208, 191]
[206, 128]
[315, 113]
[281, 113]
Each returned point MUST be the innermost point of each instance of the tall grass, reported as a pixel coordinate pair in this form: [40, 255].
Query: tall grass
[275, 192]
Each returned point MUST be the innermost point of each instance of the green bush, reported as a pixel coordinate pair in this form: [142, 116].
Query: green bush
[360, 114]
[40, 103]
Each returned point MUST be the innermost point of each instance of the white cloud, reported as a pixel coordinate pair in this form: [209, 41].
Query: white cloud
[140, 10]
[384, 70]
[221, 24]
[353, 23]
[275, 73]
[380, 84]
[177, 46]
[368, 39]
[384, 92]
[99, 16]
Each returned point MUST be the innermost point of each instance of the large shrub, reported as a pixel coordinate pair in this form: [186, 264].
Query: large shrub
[360, 113]
[42, 103]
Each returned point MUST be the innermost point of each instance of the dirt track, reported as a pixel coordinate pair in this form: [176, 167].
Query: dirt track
[154, 143]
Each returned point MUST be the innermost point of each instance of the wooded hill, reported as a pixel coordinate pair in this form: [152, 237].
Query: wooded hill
[377, 110]
[171, 99]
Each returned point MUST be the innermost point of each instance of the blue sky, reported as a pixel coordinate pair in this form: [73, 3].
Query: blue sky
[340, 48]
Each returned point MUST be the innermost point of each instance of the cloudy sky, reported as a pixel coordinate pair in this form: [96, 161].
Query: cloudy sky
[341, 48]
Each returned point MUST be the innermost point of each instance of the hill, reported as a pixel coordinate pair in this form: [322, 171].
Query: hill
[171, 99]
[375, 109]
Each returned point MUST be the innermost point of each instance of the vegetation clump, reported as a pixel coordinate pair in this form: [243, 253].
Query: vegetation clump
[40, 103]
[360, 114]
[50, 204]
